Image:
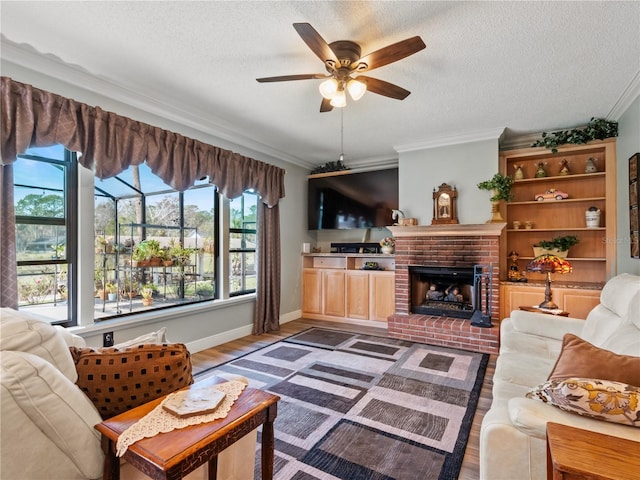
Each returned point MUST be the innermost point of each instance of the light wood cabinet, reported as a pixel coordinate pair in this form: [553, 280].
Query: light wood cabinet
[336, 287]
[594, 258]
[577, 301]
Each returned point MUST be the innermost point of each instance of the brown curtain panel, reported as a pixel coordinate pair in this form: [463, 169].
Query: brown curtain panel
[110, 143]
[267, 311]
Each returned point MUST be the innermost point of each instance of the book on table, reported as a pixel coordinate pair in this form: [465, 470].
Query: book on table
[194, 401]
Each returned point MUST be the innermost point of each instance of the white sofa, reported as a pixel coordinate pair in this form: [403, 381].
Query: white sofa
[513, 432]
[48, 422]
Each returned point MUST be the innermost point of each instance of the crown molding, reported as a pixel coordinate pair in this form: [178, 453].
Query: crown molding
[448, 140]
[626, 99]
[27, 57]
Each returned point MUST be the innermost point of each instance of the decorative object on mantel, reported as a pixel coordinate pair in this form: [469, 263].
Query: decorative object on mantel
[398, 216]
[500, 185]
[556, 246]
[549, 264]
[388, 244]
[564, 168]
[596, 129]
[444, 205]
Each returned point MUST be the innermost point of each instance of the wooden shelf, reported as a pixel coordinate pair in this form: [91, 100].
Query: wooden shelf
[555, 202]
[560, 177]
[555, 229]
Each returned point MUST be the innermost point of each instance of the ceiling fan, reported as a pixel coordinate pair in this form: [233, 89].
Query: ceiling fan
[343, 61]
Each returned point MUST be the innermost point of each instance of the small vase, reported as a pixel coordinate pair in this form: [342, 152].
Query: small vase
[496, 216]
[590, 167]
[519, 175]
[387, 250]
[540, 171]
[112, 297]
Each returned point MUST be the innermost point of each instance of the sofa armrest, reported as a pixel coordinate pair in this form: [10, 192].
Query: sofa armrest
[531, 416]
[545, 325]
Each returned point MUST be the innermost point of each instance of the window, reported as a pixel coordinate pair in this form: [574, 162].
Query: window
[242, 244]
[44, 187]
[132, 210]
[155, 246]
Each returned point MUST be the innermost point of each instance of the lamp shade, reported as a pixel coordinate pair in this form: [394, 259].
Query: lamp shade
[339, 99]
[548, 263]
[328, 88]
[356, 89]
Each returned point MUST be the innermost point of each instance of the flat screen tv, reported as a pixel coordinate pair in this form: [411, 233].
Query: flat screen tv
[344, 200]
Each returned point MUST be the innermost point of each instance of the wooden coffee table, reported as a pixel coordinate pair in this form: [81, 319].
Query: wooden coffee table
[174, 454]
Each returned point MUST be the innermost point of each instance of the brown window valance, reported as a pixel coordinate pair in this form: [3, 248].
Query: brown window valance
[110, 143]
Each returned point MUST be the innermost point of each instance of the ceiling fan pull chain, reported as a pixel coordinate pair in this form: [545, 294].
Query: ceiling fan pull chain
[342, 134]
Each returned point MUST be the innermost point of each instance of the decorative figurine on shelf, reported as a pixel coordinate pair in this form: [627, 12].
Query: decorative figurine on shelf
[540, 171]
[590, 167]
[514, 274]
[433, 293]
[453, 294]
[519, 175]
[564, 167]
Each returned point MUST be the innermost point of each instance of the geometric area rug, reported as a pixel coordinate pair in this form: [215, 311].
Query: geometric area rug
[360, 407]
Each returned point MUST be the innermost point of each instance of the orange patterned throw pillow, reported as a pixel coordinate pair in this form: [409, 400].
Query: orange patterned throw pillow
[600, 399]
[116, 380]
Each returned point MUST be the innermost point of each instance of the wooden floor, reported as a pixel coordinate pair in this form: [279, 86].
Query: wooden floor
[222, 353]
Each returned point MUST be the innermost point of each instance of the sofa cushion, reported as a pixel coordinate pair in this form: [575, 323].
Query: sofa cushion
[33, 389]
[616, 299]
[579, 358]
[599, 399]
[23, 332]
[117, 380]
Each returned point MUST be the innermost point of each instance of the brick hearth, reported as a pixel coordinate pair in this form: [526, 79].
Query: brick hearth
[445, 246]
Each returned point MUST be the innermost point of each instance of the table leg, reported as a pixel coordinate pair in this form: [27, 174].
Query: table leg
[213, 468]
[111, 461]
[268, 443]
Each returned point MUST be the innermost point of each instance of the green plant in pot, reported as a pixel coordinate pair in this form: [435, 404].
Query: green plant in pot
[146, 251]
[558, 246]
[500, 185]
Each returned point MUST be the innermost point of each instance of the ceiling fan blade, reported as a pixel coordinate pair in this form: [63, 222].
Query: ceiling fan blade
[326, 106]
[286, 78]
[315, 42]
[391, 53]
[384, 88]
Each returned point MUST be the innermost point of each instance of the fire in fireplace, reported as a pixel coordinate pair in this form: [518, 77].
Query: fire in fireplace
[443, 291]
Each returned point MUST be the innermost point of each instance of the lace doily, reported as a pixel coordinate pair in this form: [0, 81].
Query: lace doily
[159, 420]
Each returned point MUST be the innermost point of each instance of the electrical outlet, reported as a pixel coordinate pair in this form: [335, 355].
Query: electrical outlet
[107, 339]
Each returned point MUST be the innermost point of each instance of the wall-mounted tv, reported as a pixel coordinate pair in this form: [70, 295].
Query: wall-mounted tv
[344, 200]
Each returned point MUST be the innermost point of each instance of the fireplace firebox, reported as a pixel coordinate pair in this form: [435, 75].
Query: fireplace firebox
[443, 291]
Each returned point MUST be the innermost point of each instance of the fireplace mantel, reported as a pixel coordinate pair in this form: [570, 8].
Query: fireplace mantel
[466, 230]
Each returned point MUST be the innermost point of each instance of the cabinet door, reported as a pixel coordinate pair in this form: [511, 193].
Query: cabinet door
[382, 295]
[311, 291]
[334, 293]
[516, 296]
[358, 295]
[579, 302]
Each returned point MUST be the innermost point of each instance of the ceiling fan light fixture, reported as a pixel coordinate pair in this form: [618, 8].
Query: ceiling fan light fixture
[328, 88]
[339, 99]
[356, 89]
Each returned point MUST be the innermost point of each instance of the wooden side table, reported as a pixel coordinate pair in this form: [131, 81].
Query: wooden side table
[174, 454]
[540, 310]
[576, 454]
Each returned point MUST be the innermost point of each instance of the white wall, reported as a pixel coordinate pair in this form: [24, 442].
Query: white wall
[628, 143]
[200, 326]
[462, 166]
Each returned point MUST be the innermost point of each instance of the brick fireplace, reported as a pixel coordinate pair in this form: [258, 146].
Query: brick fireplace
[448, 246]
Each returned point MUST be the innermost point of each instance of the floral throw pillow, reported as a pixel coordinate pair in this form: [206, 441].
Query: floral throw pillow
[599, 399]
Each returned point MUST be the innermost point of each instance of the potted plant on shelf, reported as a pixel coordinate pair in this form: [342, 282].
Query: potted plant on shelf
[165, 257]
[147, 253]
[557, 246]
[388, 244]
[112, 291]
[147, 294]
[130, 287]
[500, 185]
[180, 255]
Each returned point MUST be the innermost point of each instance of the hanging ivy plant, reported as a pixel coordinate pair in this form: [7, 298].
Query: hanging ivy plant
[596, 129]
[337, 166]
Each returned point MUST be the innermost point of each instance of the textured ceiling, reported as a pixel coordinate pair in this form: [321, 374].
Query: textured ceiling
[523, 66]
